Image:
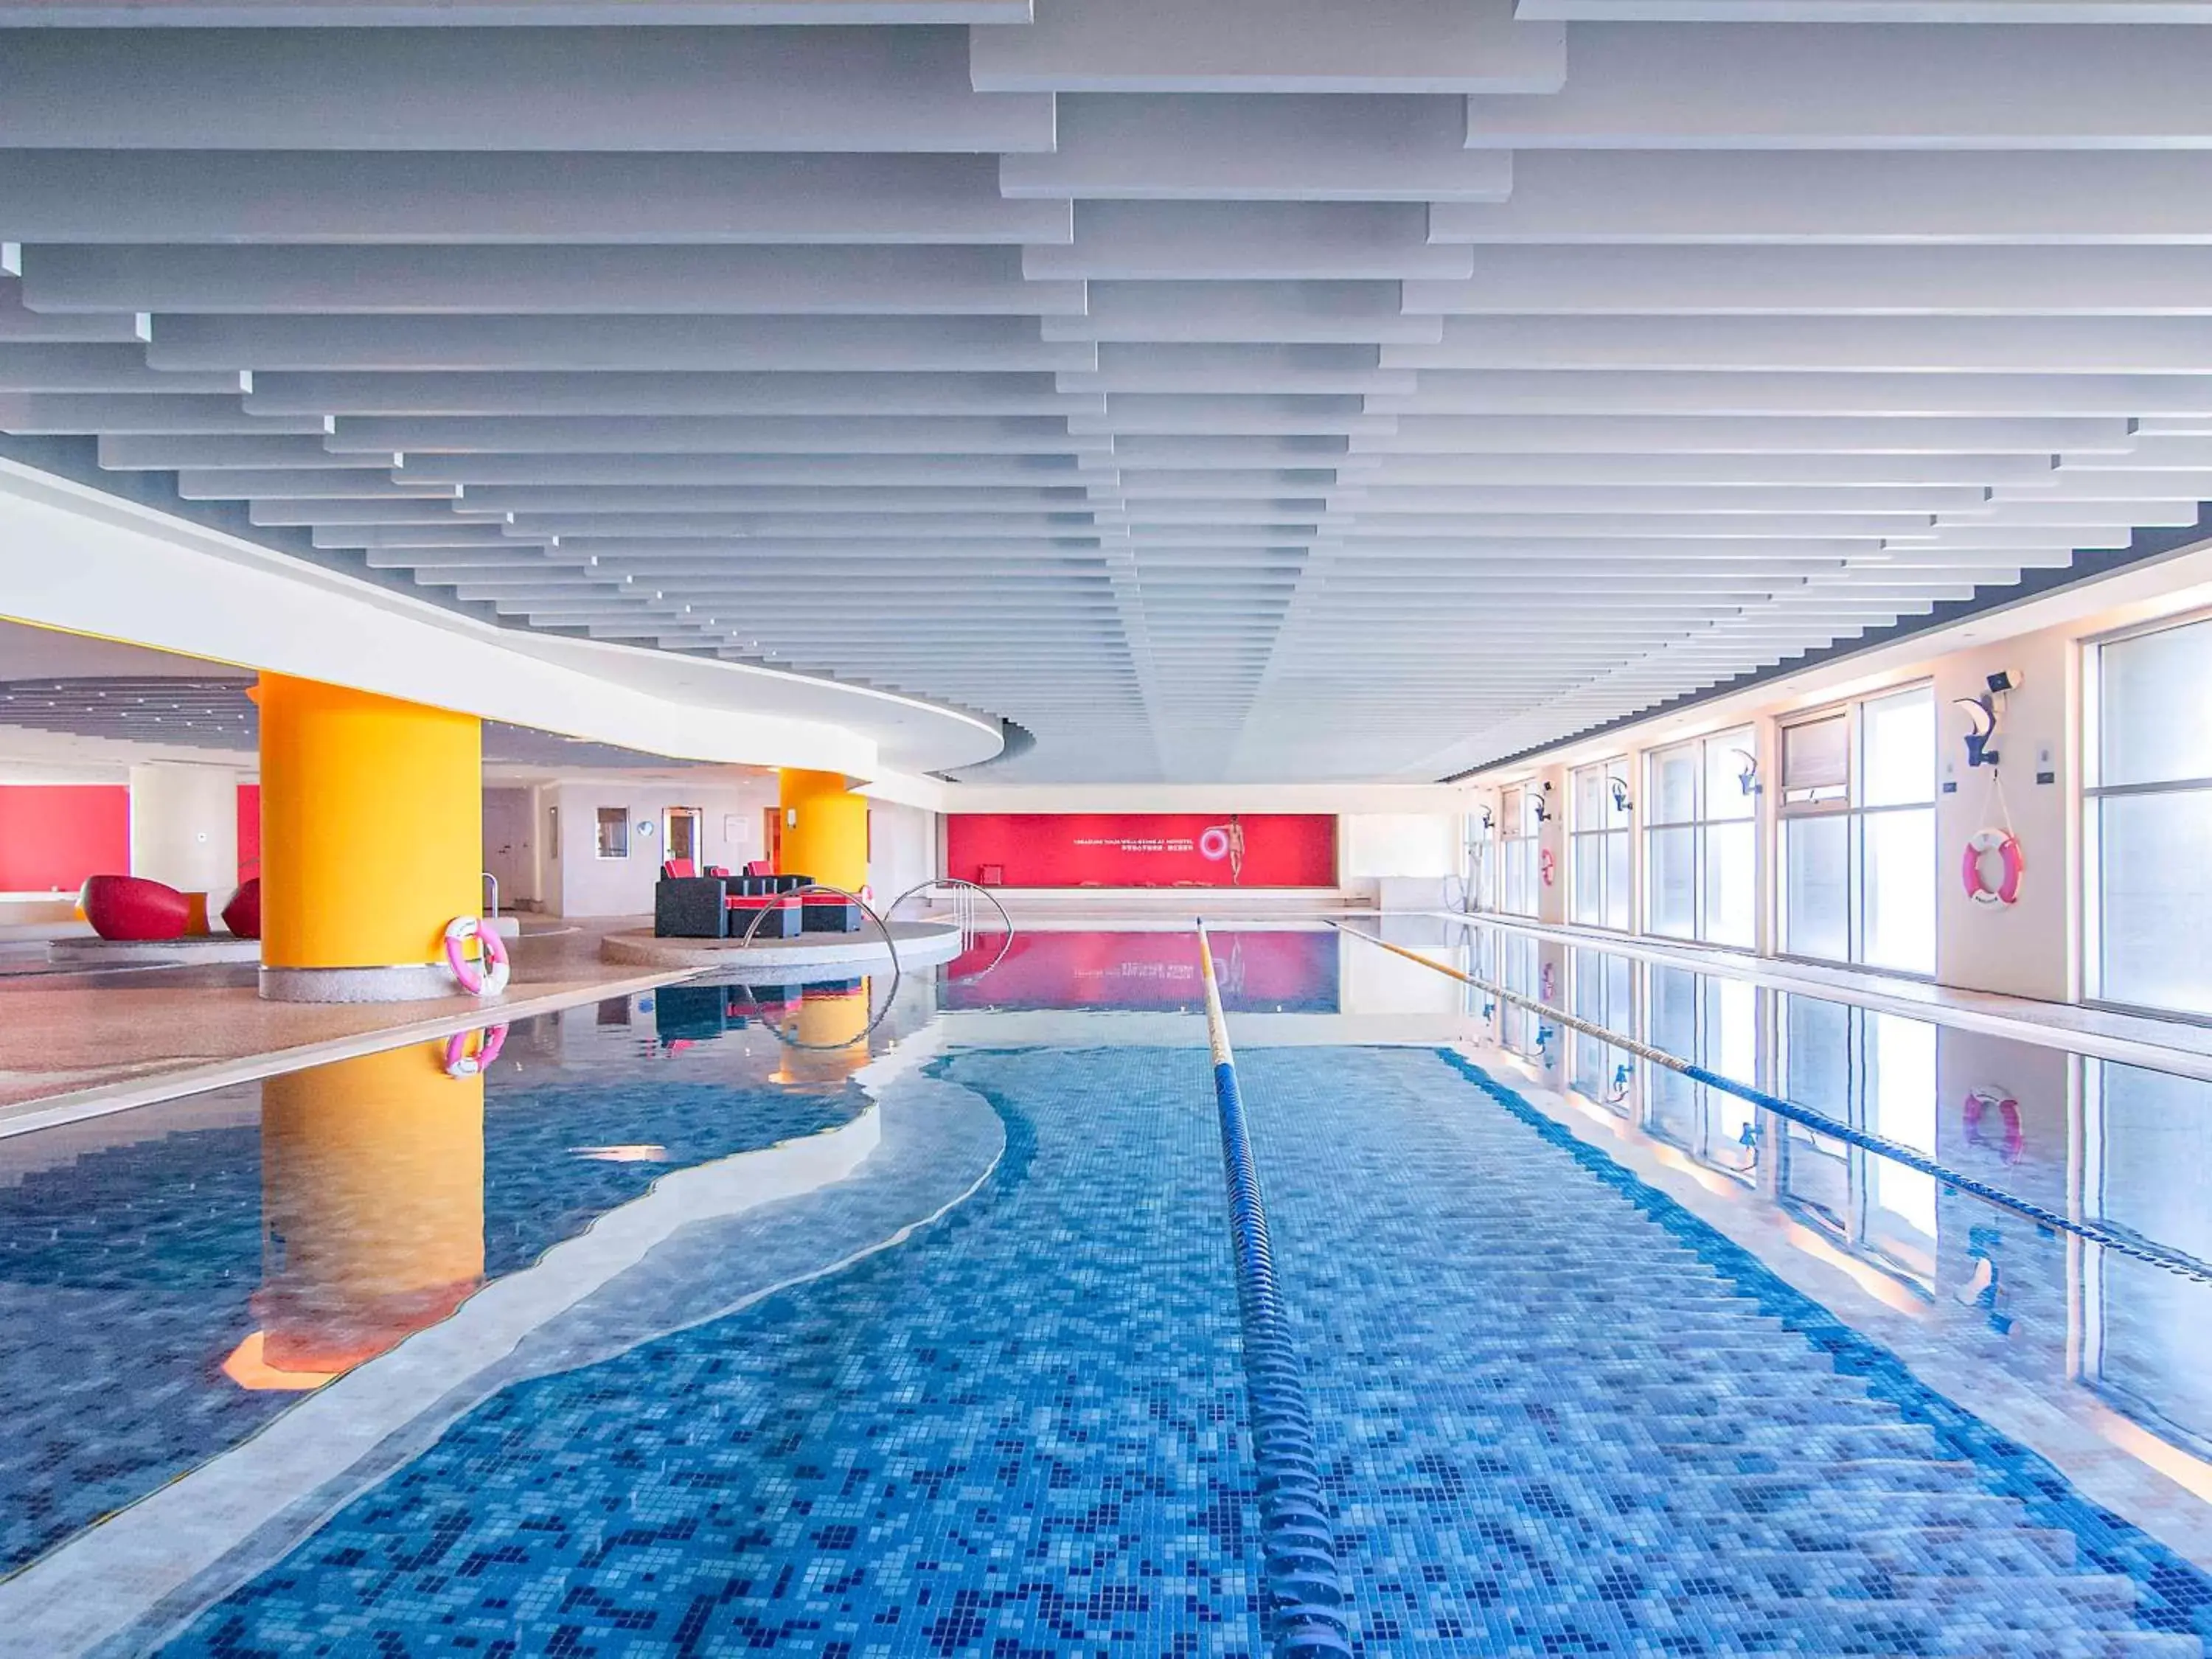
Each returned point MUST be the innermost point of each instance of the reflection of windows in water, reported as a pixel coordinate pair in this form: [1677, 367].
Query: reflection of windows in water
[1874, 1072]
[2148, 1336]
[1520, 975]
[1603, 995]
[1711, 1023]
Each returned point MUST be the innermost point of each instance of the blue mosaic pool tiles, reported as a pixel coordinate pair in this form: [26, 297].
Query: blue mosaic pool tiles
[125, 1272]
[1561, 1415]
[1020, 1434]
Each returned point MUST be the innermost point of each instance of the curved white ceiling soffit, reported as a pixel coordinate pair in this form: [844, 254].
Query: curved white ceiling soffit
[1283, 390]
[72, 558]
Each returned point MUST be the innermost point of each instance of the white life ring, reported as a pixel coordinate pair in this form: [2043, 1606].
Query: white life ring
[1213, 843]
[2001, 886]
[483, 976]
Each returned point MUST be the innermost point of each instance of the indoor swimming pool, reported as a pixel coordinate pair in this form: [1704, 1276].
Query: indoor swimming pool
[846, 1320]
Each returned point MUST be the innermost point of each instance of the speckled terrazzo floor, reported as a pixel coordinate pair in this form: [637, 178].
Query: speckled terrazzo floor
[64, 1032]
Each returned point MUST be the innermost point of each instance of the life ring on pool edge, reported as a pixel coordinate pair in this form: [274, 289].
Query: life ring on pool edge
[486, 976]
[2011, 1140]
[2012, 865]
[462, 1060]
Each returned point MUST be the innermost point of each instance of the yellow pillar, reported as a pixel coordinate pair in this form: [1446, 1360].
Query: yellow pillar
[825, 829]
[372, 816]
[371, 1204]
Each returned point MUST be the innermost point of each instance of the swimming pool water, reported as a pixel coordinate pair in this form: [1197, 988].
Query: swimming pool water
[127, 1275]
[1021, 1436]
[981, 1391]
[1557, 1415]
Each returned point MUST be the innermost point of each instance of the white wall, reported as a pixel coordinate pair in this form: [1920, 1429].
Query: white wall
[2029, 949]
[1374, 847]
[184, 828]
[730, 806]
[510, 844]
[903, 849]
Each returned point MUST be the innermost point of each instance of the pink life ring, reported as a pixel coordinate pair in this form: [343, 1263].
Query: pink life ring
[463, 1061]
[1547, 866]
[1213, 843]
[486, 976]
[1979, 1105]
[2012, 865]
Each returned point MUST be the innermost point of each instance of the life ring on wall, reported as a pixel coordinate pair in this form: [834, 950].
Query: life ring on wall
[2011, 1139]
[486, 974]
[1213, 843]
[462, 1061]
[2012, 865]
[1547, 866]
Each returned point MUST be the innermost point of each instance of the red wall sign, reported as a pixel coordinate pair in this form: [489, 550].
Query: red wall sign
[1142, 849]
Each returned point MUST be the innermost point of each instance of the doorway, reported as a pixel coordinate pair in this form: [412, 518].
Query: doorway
[679, 835]
[772, 837]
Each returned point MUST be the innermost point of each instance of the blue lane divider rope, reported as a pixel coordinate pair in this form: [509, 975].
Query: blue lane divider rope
[2101, 1234]
[1307, 1610]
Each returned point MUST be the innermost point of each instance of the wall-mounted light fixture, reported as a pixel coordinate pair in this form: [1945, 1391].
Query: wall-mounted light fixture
[1746, 773]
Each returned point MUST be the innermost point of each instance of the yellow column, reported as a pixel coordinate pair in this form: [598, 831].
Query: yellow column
[371, 1204]
[371, 815]
[825, 829]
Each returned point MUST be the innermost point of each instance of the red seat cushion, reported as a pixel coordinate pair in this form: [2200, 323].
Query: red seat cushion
[760, 867]
[132, 907]
[242, 915]
[679, 870]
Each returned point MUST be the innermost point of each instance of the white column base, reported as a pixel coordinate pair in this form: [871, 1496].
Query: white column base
[414, 982]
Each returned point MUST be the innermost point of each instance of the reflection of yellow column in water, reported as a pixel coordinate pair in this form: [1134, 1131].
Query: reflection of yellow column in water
[371, 1196]
[829, 1023]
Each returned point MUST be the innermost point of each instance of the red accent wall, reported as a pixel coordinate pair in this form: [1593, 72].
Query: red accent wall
[53, 835]
[249, 831]
[1141, 849]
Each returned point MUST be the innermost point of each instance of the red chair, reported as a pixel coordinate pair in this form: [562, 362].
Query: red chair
[242, 915]
[679, 870]
[130, 908]
[760, 867]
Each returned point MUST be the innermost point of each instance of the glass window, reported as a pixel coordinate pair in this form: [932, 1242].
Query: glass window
[1598, 845]
[1816, 759]
[1858, 843]
[1699, 853]
[1518, 867]
[2148, 833]
[614, 832]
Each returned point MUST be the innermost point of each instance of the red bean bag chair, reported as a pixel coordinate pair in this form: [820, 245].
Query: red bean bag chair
[131, 907]
[242, 915]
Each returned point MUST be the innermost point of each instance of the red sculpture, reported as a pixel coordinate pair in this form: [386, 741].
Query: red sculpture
[131, 907]
[242, 915]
